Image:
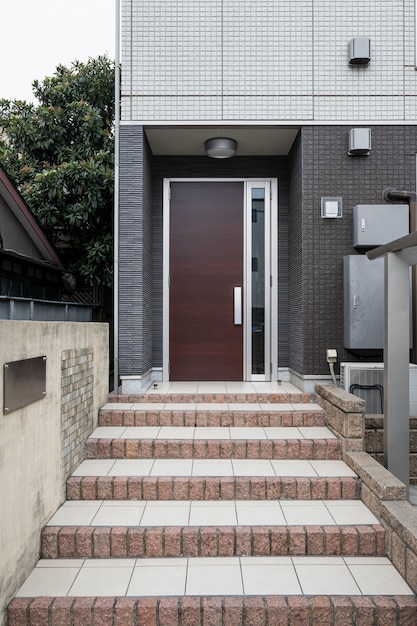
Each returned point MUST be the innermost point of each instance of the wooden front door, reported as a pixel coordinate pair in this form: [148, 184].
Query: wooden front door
[206, 264]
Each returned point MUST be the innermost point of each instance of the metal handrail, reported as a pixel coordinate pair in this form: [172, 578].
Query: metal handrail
[408, 241]
[400, 255]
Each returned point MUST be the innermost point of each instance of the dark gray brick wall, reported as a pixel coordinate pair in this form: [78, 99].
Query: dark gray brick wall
[135, 257]
[320, 166]
[295, 259]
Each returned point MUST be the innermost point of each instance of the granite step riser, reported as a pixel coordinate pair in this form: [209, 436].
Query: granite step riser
[181, 418]
[217, 398]
[294, 449]
[100, 542]
[212, 488]
[214, 610]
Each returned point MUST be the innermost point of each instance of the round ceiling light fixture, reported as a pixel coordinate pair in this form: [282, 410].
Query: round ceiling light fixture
[221, 148]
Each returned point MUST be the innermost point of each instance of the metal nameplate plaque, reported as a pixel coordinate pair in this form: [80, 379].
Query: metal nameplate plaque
[24, 383]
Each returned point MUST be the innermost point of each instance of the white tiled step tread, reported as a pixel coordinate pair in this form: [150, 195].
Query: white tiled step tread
[175, 387]
[210, 432]
[212, 467]
[215, 576]
[213, 513]
[212, 406]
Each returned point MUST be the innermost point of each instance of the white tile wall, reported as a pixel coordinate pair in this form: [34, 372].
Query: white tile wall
[176, 48]
[267, 48]
[358, 108]
[240, 59]
[409, 33]
[126, 109]
[176, 108]
[410, 106]
[410, 82]
[268, 107]
[336, 23]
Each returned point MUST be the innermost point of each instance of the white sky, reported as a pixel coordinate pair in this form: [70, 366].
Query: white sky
[38, 35]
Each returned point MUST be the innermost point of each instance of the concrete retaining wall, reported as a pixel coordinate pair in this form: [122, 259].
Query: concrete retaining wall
[42, 443]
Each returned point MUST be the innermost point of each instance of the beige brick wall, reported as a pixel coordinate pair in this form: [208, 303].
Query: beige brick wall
[77, 405]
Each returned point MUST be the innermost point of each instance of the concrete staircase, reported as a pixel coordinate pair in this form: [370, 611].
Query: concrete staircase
[213, 509]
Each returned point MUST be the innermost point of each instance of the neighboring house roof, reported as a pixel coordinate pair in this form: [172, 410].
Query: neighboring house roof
[18, 207]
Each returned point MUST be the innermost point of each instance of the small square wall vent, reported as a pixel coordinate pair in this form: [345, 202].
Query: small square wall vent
[331, 207]
[359, 51]
[359, 141]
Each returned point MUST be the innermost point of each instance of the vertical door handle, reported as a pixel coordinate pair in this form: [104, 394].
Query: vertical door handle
[237, 305]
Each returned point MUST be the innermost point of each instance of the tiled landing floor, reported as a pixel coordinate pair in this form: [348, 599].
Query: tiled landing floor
[222, 576]
[211, 513]
[200, 387]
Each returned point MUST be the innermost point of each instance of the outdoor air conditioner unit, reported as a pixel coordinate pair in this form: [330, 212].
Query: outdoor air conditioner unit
[366, 380]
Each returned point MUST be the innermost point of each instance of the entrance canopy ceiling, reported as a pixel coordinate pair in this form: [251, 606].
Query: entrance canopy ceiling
[190, 140]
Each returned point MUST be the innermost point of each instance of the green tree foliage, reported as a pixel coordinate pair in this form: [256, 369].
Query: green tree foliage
[60, 154]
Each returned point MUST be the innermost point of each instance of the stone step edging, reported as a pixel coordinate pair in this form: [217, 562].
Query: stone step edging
[269, 398]
[220, 610]
[276, 449]
[221, 418]
[212, 488]
[210, 541]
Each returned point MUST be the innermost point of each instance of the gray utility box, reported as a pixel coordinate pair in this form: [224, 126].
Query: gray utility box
[364, 303]
[377, 224]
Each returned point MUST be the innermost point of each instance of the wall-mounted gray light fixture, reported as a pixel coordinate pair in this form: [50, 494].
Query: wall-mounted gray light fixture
[221, 148]
[359, 141]
[331, 207]
[359, 51]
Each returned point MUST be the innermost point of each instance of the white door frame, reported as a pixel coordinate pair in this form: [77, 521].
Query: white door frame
[271, 245]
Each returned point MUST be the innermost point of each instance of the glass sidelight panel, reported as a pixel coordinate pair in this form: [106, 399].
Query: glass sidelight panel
[258, 280]
[260, 357]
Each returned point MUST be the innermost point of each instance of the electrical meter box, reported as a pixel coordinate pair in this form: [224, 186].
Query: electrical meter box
[377, 224]
[363, 302]
[364, 290]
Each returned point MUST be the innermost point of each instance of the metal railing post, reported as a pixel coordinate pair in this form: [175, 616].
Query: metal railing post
[394, 195]
[396, 365]
[413, 228]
